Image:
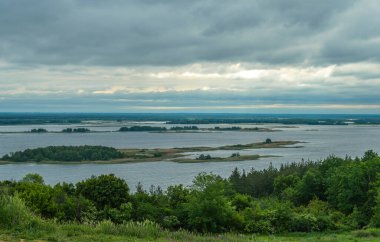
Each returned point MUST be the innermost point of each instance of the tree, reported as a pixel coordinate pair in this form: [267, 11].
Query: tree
[104, 190]
[33, 178]
[208, 208]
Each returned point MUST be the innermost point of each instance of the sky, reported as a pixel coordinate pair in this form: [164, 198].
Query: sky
[245, 56]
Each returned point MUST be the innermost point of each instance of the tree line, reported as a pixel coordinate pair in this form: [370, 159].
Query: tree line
[65, 153]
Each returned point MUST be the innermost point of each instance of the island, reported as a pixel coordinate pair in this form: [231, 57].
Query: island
[208, 158]
[141, 129]
[192, 129]
[77, 130]
[107, 155]
[156, 129]
[39, 130]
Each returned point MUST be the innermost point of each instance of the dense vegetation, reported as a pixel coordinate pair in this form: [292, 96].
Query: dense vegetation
[141, 128]
[77, 130]
[184, 128]
[270, 120]
[64, 153]
[332, 195]
[18, 223]
[39, 130]
[233, 128]
[204, 157]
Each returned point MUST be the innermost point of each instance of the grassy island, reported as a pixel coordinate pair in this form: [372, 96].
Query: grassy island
[220, 159]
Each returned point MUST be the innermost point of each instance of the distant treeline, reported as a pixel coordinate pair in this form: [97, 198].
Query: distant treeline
[331, 195]
[268, 120]
[77, 130]
[73, 118]
[184, 128]
[141, 128]
[38, 130]
[157, 129]
[230, 128]
[64, 153]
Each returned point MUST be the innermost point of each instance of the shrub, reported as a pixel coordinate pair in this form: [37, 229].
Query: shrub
[16, 216]
[104, 190]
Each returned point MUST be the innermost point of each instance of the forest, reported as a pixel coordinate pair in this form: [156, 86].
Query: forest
[141, 128]
[335, 194]
[75, 130]
[64, 153]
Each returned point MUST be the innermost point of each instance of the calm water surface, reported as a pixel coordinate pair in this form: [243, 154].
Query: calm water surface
[321, 141]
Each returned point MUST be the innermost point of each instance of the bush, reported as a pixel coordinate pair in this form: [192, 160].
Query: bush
[16, 216]
[104, 190]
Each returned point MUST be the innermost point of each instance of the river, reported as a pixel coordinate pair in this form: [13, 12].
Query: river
[320, 141]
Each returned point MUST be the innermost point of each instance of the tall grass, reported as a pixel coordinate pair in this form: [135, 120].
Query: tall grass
[15, 216]
[146, 229]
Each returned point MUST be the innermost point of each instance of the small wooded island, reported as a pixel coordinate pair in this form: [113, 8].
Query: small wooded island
[76, 130]
[103, 154]
[157, 129]
[187, 129]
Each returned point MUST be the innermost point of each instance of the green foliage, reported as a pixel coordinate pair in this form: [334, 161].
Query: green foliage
[204, 157]
[39, 130]
[65, 153]
[283, 182]
[142, 128]
[208, 208]
[235, 154]
[104, 191]
[184, 128]
[14, 215]
[233, 128]
[33, 178]
[70, 207]
[334, 194]
[311, 185]
[145, 229]
[77, 130]
[375, 220]
[13, 212]
[37, 197]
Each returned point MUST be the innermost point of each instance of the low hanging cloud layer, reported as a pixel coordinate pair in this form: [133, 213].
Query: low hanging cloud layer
[207, 56]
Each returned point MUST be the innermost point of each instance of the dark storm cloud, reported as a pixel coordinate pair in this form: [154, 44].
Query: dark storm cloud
[154, 32]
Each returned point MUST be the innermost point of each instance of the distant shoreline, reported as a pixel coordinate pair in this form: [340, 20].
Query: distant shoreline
[149, 129]
[188, 118]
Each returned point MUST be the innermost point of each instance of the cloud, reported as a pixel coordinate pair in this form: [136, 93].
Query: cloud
[196, 55]
[120, 33]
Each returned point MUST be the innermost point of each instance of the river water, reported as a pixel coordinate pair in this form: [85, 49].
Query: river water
[320, 141]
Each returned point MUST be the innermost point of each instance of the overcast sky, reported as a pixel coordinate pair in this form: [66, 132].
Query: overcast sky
[263, 56]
